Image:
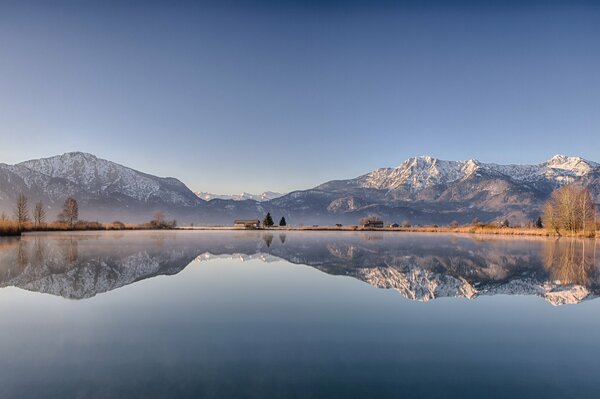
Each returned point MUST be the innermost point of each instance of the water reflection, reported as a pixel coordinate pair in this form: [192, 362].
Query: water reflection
[570, 261]
[418, 266]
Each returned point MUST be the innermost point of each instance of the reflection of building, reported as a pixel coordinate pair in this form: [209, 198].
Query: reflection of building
[371, 222]
[248, 224]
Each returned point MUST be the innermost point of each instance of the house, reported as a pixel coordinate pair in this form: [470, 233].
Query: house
[247, 223]
[372, 223]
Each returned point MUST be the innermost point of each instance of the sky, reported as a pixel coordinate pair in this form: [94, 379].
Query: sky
[254, 96]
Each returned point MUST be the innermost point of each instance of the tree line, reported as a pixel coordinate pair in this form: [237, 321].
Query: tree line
[268, 221]
[25, 219]
[22, 215]
[571, 210]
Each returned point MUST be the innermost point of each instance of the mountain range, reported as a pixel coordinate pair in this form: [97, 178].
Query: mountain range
[427, 190]
[421, 190]
[264, 196]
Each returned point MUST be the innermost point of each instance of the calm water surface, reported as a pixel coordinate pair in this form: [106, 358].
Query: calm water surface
[297, 315]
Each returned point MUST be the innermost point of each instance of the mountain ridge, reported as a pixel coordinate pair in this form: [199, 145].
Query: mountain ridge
[421, 190]
[264, 196]
[101, 186]
[430, 190]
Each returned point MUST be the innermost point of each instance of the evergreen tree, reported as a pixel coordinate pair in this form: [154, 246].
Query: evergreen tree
[282, 222]
[538, 223]
[268, 220]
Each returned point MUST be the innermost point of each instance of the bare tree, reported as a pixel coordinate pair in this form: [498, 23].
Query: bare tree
[3, 217]
[39, 214]
[158, 220]
[570, 209]
[22, 210]
[70, 212]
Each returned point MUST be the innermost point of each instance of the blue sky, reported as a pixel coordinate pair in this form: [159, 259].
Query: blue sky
[256, 96]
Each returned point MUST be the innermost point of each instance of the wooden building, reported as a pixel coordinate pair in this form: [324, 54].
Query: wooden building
[372, 223]
[247, 223]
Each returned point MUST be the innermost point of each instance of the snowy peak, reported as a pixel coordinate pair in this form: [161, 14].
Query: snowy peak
[105, 178]
[575, 165]
[420, 172]
[265, 196]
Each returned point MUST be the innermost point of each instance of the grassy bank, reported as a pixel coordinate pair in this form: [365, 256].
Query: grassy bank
[485, 229]
[12, 228]
[473, 229]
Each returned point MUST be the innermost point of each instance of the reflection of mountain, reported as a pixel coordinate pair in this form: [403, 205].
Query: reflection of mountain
[77, 267]
[420, 267]
[561, 271]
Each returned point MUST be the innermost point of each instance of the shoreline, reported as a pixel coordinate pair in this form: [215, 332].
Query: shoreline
[476, 230]
[470, 230]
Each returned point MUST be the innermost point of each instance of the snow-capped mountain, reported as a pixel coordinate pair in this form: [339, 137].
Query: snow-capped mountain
[426, 190]
[421, 190]
[106, 178]
[265, 196]
[105, 190]
[419, 173]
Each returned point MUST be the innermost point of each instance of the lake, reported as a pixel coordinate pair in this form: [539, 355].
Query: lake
[258, 314]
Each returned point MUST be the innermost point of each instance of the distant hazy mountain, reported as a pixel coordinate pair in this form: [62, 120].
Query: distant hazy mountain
[265, 196]
[422, 190]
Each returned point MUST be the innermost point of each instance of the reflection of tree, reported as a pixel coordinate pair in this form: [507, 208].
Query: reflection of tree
[268, 239]
[70, 250]
[158, 240]
[570, 260]
[22, 257]
[282, 238]
[38, 250]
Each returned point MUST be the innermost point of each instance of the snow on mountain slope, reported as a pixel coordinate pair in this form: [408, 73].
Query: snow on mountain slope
[559, 169]
[423, 190]
[422, 172]
[265, 196]
[419, 172]
[105, 178]
[18, 178]
[424, 285]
